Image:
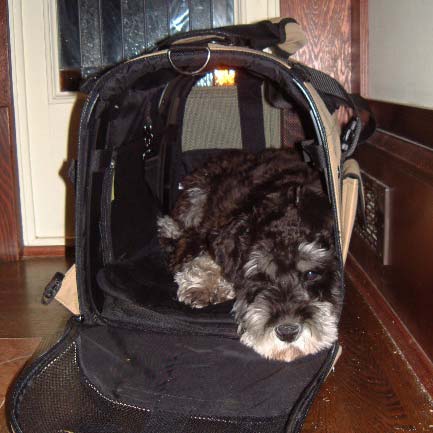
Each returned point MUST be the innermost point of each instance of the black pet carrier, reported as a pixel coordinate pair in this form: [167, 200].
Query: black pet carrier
[133, 359]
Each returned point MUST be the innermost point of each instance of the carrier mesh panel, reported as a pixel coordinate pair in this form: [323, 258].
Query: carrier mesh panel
[212, 120]
[60, 400]
[292, 130]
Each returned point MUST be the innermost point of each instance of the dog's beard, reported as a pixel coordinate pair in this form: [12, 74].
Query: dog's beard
[273, 295]
[318, 332]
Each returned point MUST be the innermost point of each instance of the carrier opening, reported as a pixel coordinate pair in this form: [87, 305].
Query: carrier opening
[149, 137]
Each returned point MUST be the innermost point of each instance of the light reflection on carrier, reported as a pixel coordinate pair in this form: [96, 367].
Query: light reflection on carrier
[218, 78]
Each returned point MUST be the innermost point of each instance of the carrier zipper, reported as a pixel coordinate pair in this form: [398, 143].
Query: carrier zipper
[105, 228]
[320, 129]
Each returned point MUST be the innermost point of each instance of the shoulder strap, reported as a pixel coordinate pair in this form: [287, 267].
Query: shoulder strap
[284, 34]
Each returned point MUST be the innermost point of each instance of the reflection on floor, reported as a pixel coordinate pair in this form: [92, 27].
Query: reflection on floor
[372, 390]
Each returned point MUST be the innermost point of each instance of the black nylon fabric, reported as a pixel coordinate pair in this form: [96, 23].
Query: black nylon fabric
[192, 375]
[54, 395]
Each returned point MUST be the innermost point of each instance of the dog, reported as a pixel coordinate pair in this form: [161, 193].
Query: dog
[258, 228]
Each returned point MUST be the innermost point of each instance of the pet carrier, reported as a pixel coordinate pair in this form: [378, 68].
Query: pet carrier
[132, 358]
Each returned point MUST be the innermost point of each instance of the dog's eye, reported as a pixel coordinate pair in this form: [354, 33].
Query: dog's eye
[311, 275]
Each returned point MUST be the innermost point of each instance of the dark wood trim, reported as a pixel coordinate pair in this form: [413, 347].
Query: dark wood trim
[411, 350]
[363, 51]
[413, 123]
[10, 220]
[413, 156]
[359, 47]
[48, 251]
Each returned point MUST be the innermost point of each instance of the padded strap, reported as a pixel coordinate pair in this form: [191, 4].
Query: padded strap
[283, 33]
[250, 103]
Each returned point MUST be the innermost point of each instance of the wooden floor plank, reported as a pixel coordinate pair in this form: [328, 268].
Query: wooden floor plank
[372, 389]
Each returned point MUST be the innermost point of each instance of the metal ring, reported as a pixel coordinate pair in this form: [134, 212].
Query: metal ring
[197, 71]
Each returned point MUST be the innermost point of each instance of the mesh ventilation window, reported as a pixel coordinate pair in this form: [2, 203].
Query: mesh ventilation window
[95, 34]
[375, 232]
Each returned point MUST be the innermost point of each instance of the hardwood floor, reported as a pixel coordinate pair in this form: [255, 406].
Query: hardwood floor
[372, 389]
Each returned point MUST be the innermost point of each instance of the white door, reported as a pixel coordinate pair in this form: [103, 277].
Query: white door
[47, 118]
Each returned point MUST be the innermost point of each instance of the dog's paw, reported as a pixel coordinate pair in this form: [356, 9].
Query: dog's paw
[201, 283]
[168, 228]
[196, 297]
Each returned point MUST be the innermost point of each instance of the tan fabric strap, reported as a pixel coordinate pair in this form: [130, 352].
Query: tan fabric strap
[352, 189]
[68, 292]
[295, 37]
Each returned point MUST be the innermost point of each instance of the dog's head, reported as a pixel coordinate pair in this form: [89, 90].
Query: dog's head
[287, 278]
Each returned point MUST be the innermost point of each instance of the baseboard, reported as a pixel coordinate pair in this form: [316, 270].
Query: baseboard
[45, 251]
[415, 356]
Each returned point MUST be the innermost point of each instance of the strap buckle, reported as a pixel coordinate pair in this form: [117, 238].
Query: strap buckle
[52, 288]
[349, 134]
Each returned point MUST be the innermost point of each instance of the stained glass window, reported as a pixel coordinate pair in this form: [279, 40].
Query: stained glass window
[95, 34]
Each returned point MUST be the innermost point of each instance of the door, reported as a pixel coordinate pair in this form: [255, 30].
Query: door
[47, 112]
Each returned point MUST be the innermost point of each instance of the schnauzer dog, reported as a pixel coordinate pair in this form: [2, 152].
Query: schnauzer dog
[258, 228]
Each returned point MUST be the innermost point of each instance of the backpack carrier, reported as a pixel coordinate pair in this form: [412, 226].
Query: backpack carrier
[133, 359]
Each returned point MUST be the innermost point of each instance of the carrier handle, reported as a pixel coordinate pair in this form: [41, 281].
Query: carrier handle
[283, 34]
[184, 71]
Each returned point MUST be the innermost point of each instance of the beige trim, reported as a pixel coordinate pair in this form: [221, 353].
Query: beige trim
[295, 38]
[68, 293]
[333, 132]
[352, 188]
[349, 204]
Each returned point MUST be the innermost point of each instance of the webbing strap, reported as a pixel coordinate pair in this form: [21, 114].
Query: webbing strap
[250, 103]
[335, 95]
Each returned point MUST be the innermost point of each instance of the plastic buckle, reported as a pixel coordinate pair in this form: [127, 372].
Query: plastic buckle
[52, 288]
[349, 134]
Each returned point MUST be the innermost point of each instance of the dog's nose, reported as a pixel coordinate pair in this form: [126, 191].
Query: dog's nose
[288, 332]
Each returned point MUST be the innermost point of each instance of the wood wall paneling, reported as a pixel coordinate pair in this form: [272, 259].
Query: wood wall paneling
[327, 25]
[359, 46]
[407, 283]
[10, 230]
[5, 90]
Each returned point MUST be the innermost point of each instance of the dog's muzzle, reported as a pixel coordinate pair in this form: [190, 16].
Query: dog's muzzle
[288, 332]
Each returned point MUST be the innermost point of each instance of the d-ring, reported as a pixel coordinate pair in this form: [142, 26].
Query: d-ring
[197, 71]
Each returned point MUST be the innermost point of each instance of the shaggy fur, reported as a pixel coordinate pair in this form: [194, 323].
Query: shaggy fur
[258, 228]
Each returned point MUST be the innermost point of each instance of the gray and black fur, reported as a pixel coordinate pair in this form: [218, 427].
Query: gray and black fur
[258, 228]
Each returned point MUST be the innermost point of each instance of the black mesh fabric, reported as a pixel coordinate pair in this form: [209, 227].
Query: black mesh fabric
[59, 400]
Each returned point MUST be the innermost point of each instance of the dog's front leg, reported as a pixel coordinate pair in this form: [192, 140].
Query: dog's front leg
[201, 283]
